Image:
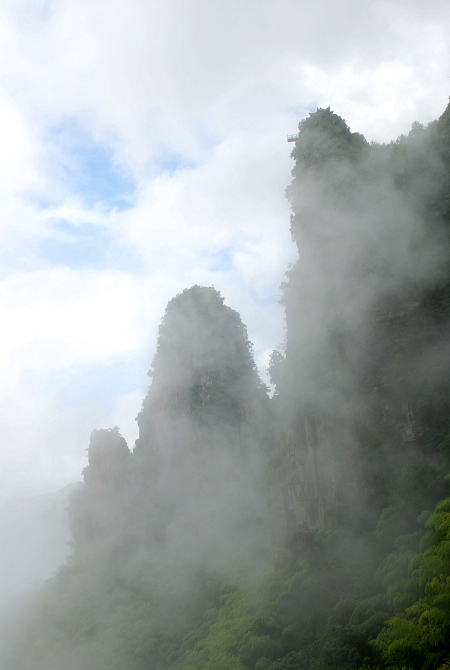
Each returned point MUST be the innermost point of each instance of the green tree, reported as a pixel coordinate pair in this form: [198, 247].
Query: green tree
[419, 637]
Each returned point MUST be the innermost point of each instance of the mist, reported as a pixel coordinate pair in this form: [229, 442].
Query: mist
[248, 529]
[224, 437]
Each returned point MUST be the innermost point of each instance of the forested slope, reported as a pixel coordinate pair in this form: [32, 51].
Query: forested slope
[309, 531]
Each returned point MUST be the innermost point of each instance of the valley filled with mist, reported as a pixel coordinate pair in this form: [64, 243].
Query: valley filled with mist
[305, 527]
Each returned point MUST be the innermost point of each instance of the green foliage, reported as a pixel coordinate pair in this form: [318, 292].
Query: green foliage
[324, 137]
[326, 155]
[418, 636]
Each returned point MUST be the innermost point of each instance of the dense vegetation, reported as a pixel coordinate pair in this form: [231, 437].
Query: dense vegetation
[310, 531]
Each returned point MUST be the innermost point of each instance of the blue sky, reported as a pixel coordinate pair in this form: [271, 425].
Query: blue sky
[98, 383]
[75, 245]
[86, 168]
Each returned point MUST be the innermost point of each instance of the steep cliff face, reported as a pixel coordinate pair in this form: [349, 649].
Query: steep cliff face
[203, 425]
[317, 395]
[366, 318]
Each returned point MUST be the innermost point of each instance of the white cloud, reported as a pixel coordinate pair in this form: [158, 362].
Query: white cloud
[75, 316]
[215, 87]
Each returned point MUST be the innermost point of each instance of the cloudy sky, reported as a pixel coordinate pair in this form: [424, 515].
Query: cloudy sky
[144, 150]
